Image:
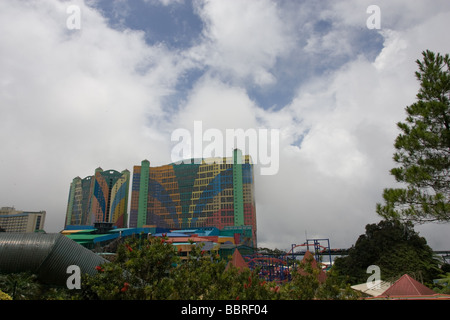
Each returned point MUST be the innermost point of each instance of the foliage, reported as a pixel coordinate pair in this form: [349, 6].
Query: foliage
[20, 286]
[423, 149]
[336, 288]
[445, 268]
[25, 286]
[274, 252]
[139, 272]
[305, 285]
[4, 296]
[443, 285]
[206, 276]
[149, 269]
[394, 247]
[199, 271]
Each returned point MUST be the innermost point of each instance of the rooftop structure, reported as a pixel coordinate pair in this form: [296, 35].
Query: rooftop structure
[407, 288]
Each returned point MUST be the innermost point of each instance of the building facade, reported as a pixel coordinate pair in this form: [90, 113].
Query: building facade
[102, 197]
[213, 192]
[12, 220]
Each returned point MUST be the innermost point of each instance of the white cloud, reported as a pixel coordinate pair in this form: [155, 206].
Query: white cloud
[348, 118]
[242, 39]
[164, 2]
[74, 100]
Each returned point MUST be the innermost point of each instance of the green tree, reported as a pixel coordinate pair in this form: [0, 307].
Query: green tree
[203, 275]
[336, 288]
[20, 286]
[394, 247]
[307, 284]
[442, 285]
[26, 286]
[423, 149]
[140, 272]
[304, 283]
[200, 276]
[150, 269]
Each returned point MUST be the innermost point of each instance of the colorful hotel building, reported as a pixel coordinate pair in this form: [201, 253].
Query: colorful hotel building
[213, 192]
[102, 197]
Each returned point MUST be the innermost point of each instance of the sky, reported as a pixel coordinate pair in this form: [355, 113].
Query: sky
[107, 83]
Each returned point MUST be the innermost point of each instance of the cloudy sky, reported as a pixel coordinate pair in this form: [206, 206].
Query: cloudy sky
[110, 90]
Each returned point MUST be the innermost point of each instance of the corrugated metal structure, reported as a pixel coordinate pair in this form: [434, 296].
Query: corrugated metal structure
[46, 255]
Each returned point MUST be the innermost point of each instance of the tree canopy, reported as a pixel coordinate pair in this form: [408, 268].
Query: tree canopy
[150, 269]
[395, 248]
[423, 149]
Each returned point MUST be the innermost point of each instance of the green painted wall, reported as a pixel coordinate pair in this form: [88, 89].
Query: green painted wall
[238, 192]
[143, 194]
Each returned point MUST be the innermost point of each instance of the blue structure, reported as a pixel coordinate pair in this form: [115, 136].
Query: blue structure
[90, 236]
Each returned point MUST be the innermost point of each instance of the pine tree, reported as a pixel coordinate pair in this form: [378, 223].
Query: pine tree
[423, 150]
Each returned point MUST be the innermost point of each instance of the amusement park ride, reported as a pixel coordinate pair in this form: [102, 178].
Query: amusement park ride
[278, 267]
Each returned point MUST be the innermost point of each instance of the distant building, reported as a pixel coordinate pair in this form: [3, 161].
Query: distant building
[212, 192]
[12, 220]
[102, 197]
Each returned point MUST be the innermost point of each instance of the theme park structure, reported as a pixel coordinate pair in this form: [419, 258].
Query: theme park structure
[279, 267]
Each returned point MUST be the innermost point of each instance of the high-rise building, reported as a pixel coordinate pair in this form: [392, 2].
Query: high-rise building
[12, 220]
[79, 203]
[212, 192]
[102, 197]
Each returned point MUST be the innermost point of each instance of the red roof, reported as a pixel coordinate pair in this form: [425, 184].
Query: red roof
[407, 286]
[238, 261]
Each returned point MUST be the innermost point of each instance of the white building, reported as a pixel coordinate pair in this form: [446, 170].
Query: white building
[12, 220]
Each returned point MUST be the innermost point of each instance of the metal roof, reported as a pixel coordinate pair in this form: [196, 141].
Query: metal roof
[46, 255]
[372, 290]
[407, 286]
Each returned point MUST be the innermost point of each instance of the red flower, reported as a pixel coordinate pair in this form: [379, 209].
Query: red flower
[98, 268]
[128, 247]
[125, 287]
